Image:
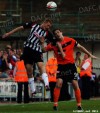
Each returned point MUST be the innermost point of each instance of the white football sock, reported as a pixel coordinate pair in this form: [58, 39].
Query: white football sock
[31, 84]
[45, 79]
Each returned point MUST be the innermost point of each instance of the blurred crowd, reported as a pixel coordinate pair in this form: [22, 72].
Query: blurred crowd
[89, 82]
[8, 58]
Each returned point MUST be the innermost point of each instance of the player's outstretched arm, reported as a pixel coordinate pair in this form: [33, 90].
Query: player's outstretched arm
[61, 50]
[83, 49]
[12, 31]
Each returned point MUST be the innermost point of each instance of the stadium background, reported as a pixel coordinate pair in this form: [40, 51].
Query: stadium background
[77, 19]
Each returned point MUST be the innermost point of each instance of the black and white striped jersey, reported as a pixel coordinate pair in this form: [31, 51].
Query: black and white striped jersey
[33, 40]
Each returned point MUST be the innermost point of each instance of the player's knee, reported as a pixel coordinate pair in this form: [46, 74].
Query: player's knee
[59, 83]
[29, 69]
[41, 68]
[75, 85]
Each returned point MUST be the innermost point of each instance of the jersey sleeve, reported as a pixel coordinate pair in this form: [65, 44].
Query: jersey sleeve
[75, 43]
[28, 25]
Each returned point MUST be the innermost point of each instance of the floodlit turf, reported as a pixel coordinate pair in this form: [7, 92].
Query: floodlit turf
[89, 106]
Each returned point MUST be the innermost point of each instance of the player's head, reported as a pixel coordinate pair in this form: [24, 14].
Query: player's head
[78, 53]
[46, 24]
[57, 33]
[86, 56]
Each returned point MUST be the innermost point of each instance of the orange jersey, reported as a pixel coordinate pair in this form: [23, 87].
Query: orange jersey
[68, 45]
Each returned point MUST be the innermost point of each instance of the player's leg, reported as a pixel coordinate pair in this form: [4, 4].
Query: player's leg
[57, 92]
[28, 57]
[58, 86]
[42, 71]
[74, 80]
[29, 69]
[77, 93]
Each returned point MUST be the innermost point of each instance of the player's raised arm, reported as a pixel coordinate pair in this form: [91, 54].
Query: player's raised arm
[83, 49]
[42, 45]
[13, 31]
[61, 50]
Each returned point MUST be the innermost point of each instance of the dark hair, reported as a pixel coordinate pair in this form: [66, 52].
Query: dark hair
[78, 53]
[55, 30]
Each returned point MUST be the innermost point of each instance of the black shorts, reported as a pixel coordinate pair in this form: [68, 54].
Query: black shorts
[67, 72]
[31, 56]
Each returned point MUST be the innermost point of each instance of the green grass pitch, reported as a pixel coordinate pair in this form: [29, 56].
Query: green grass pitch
[89, 106]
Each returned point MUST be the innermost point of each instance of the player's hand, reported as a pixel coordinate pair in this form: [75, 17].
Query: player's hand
[5, 35]
[42, 40]
[94, 57]
[63, 55]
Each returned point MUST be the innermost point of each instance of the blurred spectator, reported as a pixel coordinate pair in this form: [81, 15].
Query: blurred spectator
[19, 52]
[99, 84]
[5, 64]
[51, 69]
[5, 74]
[1, 54]
[85, 74]
[78, 66]
[20, 76]
[15, 52]
[5, 67]
[12, 58]
[95, 85]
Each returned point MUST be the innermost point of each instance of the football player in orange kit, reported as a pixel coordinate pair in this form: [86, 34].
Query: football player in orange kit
[66, 66]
